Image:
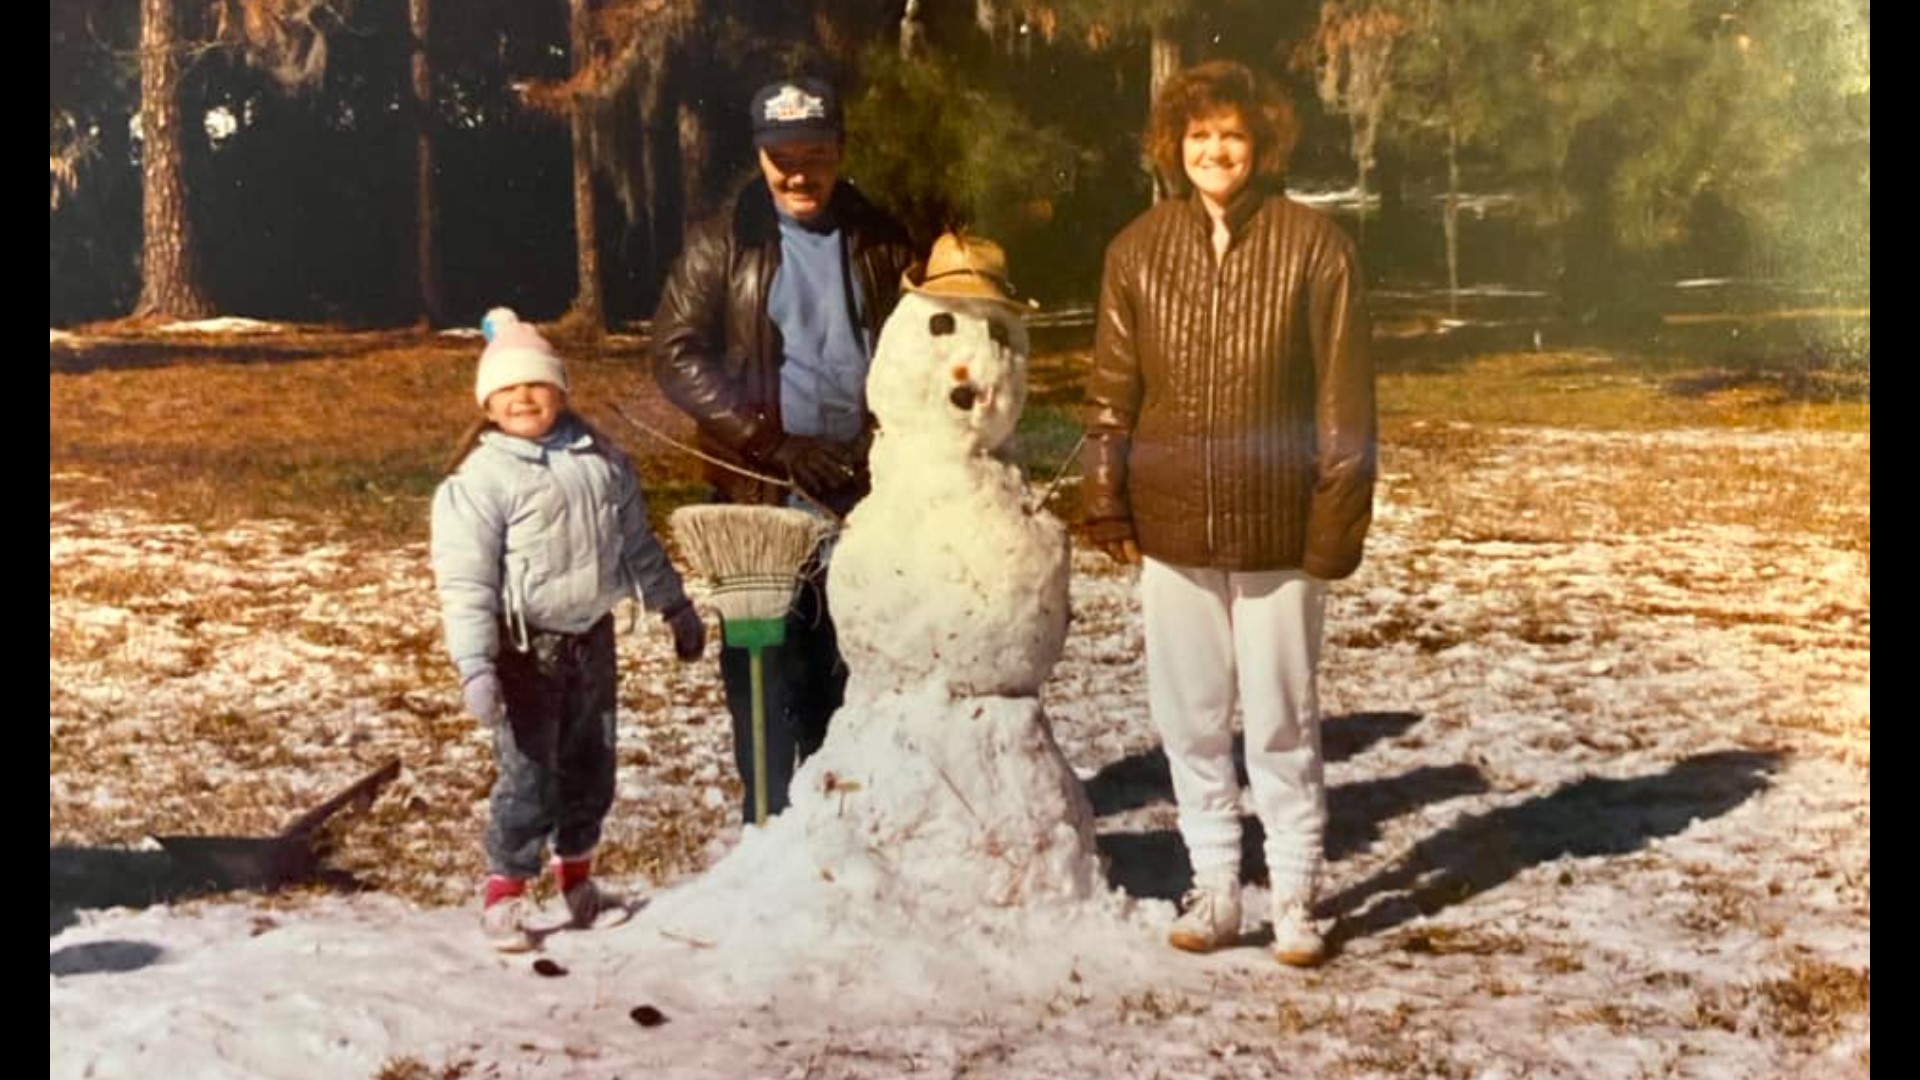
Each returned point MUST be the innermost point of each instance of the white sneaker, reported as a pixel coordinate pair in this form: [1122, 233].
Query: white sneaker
[504, 924]
[1211, 916]
[1296, 937]
[594, 908]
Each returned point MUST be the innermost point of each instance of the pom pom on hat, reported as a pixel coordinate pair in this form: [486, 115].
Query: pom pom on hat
[515, 354]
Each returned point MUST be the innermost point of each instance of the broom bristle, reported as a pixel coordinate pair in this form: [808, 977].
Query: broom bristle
[752, 554]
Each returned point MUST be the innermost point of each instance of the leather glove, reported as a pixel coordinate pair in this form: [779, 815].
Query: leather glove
[483, 698]
[1114, 536]
[818, 465]
[689, 631]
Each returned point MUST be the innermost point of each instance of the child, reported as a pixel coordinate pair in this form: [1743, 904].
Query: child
[537, 533]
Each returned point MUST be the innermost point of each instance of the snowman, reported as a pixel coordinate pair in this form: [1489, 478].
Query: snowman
[946, 575]
[940, 798]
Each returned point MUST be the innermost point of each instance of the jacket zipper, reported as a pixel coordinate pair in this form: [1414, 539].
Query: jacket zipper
[1213, 371]
[764, 359]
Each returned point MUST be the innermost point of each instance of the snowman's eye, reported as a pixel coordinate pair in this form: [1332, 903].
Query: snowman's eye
[998, 332]
[941, 324]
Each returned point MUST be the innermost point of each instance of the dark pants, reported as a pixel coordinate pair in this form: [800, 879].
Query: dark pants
[555, 750]
[803, 682]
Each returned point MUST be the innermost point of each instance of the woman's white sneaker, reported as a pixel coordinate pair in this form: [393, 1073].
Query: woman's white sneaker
[1210, 917]
[1296, 937]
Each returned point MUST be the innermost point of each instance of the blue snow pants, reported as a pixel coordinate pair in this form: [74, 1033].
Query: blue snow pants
[555, 750]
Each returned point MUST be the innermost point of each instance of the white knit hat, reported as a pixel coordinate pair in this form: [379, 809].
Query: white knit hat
[515, 354]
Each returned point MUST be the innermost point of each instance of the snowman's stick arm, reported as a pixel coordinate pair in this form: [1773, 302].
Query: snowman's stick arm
[1073, 455]
[649, 429]
[656, 433]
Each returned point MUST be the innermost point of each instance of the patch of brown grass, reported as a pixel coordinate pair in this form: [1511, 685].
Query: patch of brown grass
[1424, 635]
[1609, 489]
[412, 1068]
[1853, 728]
[1621, 1016]
[1603, 390]
[1156, 1005]
[350, 432]
[1815, 996]
[1719, 902]
[136, 587]
[1562, 962]
[1424, 1058]
[1457, 940]
[85, 643]
[1813, 1001]
[1291, 1018]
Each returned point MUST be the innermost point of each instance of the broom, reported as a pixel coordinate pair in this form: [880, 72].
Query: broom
[753, 556]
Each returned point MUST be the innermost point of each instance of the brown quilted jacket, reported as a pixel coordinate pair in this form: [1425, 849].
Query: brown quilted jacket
[1233, 424]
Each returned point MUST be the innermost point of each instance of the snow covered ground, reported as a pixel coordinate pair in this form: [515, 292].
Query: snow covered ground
[1599, 717]
[225, 324]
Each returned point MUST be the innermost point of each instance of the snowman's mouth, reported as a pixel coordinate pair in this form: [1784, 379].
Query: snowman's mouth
[963, 396]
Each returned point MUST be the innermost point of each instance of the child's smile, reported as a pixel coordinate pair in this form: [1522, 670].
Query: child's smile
[528, 410]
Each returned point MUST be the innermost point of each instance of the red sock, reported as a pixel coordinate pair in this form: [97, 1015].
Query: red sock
[501, 887]
[571, 872]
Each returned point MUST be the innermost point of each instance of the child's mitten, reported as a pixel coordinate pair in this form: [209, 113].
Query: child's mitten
[689, 631]
[481, 692]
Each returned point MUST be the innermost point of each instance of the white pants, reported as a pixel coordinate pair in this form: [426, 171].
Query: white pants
[1214, 637]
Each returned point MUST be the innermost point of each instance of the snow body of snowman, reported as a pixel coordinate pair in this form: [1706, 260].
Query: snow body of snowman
[939, 820]
[943, 574]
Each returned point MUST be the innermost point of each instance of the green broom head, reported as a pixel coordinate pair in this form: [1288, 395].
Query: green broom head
[753, 556]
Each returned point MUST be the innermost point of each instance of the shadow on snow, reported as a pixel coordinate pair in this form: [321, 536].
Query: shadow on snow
[1593, 816]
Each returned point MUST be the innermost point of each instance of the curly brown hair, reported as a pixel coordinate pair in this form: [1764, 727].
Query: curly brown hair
[1214, 87]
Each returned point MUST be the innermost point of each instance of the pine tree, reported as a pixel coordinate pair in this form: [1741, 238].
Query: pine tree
[429, 305]
[286, 38]
[1351, 54]
[170, 282]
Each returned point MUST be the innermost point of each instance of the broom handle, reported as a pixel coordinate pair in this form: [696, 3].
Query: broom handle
[759, 737]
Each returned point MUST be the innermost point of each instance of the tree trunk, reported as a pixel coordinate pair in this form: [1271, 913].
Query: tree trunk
[839, 39]
[1389, 176]
[1603, 281]
[692, 127]
[169, 271]
[1366, 132]
[429, 307]
[913, 33]
[1450, 220]
[1163, 63]
[663, 234]
[1163, 58]
[587, 307]
[986, 16]
[1361, 171]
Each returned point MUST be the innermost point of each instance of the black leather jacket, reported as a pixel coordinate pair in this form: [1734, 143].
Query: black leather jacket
[717, 355]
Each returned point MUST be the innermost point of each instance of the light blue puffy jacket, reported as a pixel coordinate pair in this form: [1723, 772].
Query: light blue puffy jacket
[545, 535]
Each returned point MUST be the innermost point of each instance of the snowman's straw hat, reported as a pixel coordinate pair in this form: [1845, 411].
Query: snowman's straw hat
[752, 554]
[962, 266]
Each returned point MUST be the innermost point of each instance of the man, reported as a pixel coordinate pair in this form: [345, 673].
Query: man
[764, 335]
[1232, 449]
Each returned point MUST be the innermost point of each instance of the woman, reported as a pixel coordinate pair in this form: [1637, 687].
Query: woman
[1232, 451]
